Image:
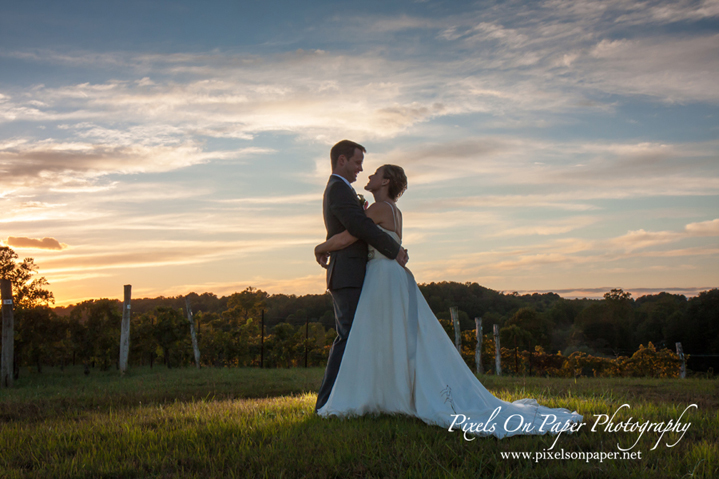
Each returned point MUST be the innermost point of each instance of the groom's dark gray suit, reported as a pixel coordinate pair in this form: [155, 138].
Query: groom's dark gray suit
[345, 273]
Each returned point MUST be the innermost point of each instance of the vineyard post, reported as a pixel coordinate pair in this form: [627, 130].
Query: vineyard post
[191, 319]
[8, 335]
[125, 330]
[307, 336]
[457, 334]
[478, 351]
[262, 340]
[680, 353]
[497, 351]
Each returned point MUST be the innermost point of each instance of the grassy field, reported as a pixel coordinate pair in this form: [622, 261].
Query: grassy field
[260, 423]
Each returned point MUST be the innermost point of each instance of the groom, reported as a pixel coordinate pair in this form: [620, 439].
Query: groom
[345, 273]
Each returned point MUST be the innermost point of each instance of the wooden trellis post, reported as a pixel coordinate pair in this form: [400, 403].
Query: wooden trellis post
[457, 333]
[478, 351]
[680, 353]
[497, 352]
[191, 319]
[8, 335]
[125, 330]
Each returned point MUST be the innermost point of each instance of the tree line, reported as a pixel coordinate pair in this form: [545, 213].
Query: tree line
[301, 328]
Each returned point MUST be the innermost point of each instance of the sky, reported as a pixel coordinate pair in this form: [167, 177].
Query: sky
[560, 145]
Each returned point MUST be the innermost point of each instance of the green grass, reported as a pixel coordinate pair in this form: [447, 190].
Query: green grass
[260, 423]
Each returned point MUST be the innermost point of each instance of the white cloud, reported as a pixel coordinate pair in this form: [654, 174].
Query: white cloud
[671, 69]
[572, 254]
[608, 169]
[704, 228]
[549, 227]
[640, 239]
[158, 253]
[56, 162]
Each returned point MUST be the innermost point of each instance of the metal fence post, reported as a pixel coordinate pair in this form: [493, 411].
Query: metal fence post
[497, 351]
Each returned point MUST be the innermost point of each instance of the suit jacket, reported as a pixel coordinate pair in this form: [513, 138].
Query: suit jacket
[342, 211]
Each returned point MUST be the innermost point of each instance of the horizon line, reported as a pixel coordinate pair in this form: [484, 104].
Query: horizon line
[564, 293]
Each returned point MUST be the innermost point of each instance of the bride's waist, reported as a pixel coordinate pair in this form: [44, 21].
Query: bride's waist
[373, 255]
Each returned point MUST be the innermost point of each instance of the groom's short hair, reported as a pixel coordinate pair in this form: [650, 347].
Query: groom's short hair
[344, 147]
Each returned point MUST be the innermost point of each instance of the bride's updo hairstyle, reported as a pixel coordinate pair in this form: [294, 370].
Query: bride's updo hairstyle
[397, 180]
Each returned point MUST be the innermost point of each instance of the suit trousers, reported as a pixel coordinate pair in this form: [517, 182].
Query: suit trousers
[345, 303]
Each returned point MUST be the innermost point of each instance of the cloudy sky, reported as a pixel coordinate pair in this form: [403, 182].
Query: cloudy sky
[568, 146]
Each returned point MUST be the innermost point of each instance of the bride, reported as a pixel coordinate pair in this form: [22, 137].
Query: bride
[398, 358]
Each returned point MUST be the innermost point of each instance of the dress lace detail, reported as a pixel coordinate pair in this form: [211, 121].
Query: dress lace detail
[373, 253]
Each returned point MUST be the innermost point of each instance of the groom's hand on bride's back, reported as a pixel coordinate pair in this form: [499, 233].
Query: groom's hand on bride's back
[402, 257]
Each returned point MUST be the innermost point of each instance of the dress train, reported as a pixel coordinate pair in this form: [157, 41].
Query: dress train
[399, 360]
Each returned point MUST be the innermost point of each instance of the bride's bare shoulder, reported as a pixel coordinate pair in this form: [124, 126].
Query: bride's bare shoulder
[378, 206]
[380, 213]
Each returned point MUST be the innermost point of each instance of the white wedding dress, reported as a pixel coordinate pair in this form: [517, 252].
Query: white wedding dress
[399, 360]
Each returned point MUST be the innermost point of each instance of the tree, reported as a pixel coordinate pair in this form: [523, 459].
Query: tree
[142, 338]
[655, 317]
[701, 334]
[618, 295]
[620, 304]
[284, 345]
[96, 331]
[38, 335]
[539, 328]
[246, 304]
[515, 336]
[27, 292]
[169, 329]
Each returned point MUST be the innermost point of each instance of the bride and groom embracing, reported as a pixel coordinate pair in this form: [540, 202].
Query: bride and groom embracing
[391, 355]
